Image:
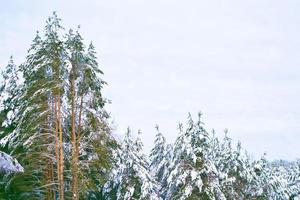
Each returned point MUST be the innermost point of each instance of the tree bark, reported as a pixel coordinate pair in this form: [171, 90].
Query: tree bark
[73, 139]
[78, 136]
[57, 144]
[61, 154]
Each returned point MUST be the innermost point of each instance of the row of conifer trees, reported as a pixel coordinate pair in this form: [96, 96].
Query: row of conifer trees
[54, 123]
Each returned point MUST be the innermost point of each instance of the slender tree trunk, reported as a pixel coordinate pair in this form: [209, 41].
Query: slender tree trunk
[79, 123]
[79, 127]
[61, 154]
[47, 174]
[51, 121]
[48, 160]
[73, 138]
[78, 136]
[57, 144]
[52, 180]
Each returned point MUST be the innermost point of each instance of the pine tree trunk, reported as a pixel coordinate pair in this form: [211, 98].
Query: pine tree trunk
[50, 123]
[47, 174]
[78, 135]
[50, 180]
[52, 190]
[48, 141]
[79, 124]
[73, 138]
[57, 144]
[61, 154]
[48, 160]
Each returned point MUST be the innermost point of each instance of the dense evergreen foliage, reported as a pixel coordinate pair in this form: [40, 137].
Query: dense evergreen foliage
[56, 141]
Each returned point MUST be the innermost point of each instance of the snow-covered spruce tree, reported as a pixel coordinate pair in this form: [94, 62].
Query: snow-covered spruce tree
[192, 175]
[229, 164]
[249, 178]
[158, 159]
[166, 162]
[9, 94]
[239, 176]
[258, 184]
[226, 165]
[130, 178]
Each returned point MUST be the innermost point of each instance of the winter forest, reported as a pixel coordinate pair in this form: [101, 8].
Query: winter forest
[57, 140]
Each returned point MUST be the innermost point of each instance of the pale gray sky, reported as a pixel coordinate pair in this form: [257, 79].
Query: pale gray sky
[236, 61]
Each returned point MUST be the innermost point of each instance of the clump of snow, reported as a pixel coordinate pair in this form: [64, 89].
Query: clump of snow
[9, 164]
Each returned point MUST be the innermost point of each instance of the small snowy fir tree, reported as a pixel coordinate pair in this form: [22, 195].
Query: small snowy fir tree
[9, 94]
[192, 174]
[158, 158]
[131, 178]
[231, 167]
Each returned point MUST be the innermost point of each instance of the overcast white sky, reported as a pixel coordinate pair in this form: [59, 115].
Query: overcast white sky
[236, 61]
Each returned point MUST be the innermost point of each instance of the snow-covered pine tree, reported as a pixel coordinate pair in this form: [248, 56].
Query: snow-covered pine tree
[35, 136]
[192, 174]
[131, 179]
[225, 163]
[90, 131]
[77, 61]
[158, 158]
[55, 60]
[9, 94]
[95, 144]
[239, 176]
[256, 186]
[167, 161]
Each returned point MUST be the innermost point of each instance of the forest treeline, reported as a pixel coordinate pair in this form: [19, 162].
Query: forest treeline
[54, 123]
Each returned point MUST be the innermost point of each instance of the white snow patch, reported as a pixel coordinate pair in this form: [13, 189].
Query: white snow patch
[9, 164]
